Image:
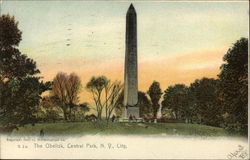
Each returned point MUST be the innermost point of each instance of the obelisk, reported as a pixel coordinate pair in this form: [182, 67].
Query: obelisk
[130, 74]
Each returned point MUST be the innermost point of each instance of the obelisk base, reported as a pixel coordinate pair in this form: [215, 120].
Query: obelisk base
[132, 112]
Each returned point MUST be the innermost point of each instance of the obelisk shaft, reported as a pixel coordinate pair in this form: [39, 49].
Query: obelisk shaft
[131, 77]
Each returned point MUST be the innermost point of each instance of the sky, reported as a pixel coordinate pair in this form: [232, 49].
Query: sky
[178, 42]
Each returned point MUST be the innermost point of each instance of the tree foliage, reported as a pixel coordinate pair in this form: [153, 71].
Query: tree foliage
[234, 85]
[178, 99]
[84, 107]
[49, 109]
[120, 107]
[96, 86]
[66, 88]
[10, 35]
[20, 88]
[145, 105]
[206, 100]
[155, 95]
[79, 111]
[15, 66]
[112, 95]
[106, 95]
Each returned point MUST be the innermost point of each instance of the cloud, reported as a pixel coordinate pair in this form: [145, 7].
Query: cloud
[183, 68]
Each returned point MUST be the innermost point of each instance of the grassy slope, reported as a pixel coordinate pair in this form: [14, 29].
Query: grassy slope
[123, 128]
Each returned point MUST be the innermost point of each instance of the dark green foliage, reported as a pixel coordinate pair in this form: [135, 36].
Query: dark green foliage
[144, 104]
[97, 83]
[19, 99]
[90, 118]
[52, 115]
[84, 107]
[20, 89]
[79, 111]
[14, 65]
[175, 98]
[198, 103]
[234, 85]
[178, 98]
[49, 109]
[155, 93]
[10, 35]
[206, 100]
[217, 102]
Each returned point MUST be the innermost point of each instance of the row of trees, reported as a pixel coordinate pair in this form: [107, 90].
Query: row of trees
[107, 96]
[195, 103]
[64, 99]
[21, 89]
[65, 95]
[218, 102]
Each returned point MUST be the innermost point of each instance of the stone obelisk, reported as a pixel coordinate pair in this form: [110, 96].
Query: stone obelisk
[130, 74]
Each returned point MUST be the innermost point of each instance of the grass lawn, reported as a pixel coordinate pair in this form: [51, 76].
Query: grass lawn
[91, 128]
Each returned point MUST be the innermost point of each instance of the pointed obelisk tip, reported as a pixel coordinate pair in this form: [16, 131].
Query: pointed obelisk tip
[131, 8]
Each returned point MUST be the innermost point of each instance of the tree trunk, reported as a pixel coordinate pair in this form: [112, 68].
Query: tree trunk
[99, 115]
[65, 114]
[155, 114]
[155, 110]
[70, 113]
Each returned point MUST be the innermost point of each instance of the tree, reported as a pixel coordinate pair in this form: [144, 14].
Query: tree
[96, 86]
[106, 95]
[59, 91]
[90, 118]
[155, 95]
[144, 105]
[177, 98]
[66, 88]
[112, 93]
[20, 88]
[10, 35]
[84, 107]
[206, 100]
[13, 64]
[80, 110]
[234, 85]
[49, 108]
[120, 106]
[50, 101]
[73, 86]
